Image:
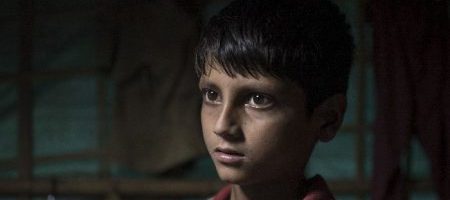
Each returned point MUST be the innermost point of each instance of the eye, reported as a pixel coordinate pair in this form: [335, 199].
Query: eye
[210, 96]
[259, 101]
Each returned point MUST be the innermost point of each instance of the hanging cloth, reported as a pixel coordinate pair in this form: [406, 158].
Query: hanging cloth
[412, 83]
[156, 121]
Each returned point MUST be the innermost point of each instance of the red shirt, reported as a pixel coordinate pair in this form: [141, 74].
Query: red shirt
[317, 189]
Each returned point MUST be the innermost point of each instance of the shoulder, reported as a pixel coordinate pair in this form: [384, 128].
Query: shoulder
[317, 189]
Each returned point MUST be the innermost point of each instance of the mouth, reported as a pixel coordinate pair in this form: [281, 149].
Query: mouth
[228, 156]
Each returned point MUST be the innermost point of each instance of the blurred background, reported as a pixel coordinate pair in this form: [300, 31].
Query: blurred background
[98, 100]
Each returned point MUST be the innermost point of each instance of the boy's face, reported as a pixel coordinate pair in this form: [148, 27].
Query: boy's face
[256, 130]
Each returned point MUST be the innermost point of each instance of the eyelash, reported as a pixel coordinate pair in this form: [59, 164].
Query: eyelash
[249, 99]
[205, 92]
[267, 101]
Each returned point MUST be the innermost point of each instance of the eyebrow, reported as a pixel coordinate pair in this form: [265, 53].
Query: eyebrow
[249, 87]
[204, 83]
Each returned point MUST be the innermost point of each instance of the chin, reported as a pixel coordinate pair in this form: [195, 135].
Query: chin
[232, 175]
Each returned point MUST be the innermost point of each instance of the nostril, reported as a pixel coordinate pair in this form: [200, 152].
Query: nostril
[226, 123]
[234, 133]
[226, 129]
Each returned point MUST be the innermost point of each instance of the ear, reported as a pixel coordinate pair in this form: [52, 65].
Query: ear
[328, 116]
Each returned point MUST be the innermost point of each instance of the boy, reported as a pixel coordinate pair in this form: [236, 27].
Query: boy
[273, 76]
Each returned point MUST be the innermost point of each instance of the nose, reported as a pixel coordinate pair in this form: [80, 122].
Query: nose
[227, 125]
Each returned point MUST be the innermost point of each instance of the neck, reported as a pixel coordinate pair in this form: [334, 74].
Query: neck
[292, 190]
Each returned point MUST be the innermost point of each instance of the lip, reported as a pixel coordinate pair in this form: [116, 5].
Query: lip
[228, 156]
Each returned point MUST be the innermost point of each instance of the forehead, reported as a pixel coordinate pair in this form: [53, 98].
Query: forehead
[219, 77]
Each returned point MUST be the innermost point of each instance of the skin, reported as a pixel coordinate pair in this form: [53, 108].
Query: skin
[265, 120]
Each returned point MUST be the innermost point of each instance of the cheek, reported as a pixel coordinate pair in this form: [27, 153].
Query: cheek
[265, 132]
[207, 117]
[281, 124]
[284, 136]
[207, 121]
[204, 119]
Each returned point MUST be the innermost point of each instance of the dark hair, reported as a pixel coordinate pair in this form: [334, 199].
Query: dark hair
[306, 41]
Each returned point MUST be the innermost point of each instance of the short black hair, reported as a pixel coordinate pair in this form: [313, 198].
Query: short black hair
[305, 41]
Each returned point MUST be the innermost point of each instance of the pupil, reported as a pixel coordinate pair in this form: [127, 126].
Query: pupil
[258, 99]
[212, 95]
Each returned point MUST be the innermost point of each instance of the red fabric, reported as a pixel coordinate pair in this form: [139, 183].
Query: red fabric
[223, 194]
[412, 80]
[317, 189]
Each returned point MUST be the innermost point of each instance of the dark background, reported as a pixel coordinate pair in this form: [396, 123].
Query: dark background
[59, 102]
